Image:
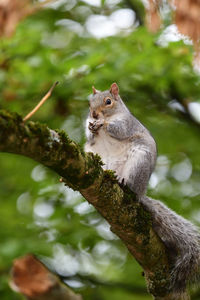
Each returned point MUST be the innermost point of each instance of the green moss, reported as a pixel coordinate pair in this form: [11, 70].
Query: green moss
[71, 176]
[143, 222]
[10, 116]
[9, 120]
[39, 129]
[129, 196]
[71, 148]
[92, 170]
[159, 285]
[110, 175]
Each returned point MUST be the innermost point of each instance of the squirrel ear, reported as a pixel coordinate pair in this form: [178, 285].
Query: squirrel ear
[114, 90]
[94, 90]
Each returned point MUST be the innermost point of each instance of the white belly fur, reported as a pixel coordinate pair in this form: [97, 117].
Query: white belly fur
[112, 152]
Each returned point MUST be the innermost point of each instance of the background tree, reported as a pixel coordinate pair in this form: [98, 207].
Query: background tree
[80, 44]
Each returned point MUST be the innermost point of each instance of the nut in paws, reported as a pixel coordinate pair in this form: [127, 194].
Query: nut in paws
[94, 127]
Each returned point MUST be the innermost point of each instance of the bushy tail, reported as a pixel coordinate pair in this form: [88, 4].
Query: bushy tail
[182, 240]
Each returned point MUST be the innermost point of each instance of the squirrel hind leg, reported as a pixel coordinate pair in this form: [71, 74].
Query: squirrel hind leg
[137, 171]
[138, 181]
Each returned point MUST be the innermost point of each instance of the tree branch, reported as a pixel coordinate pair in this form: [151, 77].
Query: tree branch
[87, 279]
[31, 278]
[83, 172]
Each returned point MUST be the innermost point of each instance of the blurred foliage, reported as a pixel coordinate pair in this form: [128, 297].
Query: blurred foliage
[38, 214]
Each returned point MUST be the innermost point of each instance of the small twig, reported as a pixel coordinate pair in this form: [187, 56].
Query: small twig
[48, 94]
[43, 3]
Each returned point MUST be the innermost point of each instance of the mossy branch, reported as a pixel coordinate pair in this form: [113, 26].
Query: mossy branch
[83, 172]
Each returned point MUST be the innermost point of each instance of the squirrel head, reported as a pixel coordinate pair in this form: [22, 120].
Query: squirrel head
[106, 103]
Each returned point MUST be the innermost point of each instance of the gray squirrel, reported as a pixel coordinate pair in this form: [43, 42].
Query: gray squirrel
[126, 147]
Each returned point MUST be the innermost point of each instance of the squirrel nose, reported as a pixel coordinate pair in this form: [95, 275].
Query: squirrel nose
[95, 115]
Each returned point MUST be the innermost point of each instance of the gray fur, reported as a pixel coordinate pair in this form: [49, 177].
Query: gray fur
[182, 240]
[128, 148]
[123, 143]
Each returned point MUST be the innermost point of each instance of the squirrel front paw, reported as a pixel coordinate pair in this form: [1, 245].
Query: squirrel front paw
[95, 126]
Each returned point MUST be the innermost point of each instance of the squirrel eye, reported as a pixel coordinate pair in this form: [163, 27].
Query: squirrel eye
[108, 101]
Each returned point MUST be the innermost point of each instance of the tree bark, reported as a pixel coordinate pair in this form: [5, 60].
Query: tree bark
[81, 171]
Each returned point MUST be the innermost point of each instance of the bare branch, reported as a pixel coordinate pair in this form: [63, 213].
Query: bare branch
[46, 96]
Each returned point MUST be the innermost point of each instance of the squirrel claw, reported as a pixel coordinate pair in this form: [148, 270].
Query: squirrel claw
[121, 182]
